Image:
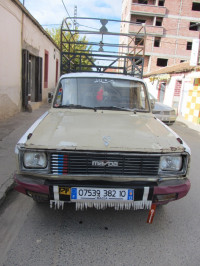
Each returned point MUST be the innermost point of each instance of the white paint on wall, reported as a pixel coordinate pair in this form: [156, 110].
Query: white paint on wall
[10, 54]
[18, 32]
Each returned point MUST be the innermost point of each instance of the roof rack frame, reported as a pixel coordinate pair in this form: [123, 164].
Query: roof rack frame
[127, 60]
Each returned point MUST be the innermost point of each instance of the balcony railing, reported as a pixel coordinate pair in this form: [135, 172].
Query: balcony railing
[148, 10]
[150, 30]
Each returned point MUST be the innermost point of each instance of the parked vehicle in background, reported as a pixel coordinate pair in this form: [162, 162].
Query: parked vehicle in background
[162, 111]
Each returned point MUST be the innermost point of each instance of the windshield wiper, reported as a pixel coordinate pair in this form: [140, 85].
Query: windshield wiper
[112, 108]
[121, 108]
[75, 106]
[115, 108]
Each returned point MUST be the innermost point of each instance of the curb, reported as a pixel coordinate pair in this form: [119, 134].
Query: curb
[11, 130]
[189, 124]
[6, 188]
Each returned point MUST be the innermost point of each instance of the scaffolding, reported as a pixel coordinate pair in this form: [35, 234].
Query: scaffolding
[99, 45]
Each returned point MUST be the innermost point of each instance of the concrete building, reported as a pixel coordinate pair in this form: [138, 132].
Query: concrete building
[29, 60]
[171, 26]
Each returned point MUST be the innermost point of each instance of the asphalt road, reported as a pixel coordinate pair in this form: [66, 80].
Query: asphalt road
[32, 234]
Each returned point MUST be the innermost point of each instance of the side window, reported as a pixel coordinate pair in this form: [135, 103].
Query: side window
[46, 68]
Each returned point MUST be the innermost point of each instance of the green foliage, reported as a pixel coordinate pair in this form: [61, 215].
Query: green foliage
[74, 44]
[55, 35]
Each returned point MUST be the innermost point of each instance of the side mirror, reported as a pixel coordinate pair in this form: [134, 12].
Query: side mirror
[50, 97]
[152, 101]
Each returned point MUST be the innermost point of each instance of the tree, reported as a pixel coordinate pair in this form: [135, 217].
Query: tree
[75, 51]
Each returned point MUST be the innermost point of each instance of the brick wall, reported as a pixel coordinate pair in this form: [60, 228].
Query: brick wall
[176, 33]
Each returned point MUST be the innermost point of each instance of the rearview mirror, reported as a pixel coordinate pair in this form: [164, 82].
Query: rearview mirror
[50, 97]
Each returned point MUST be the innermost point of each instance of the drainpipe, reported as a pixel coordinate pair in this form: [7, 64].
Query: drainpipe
[22, 37]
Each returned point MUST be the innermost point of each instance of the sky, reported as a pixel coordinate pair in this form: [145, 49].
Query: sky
[50, 13]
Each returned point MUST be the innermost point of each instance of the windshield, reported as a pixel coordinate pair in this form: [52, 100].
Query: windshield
[101, 94]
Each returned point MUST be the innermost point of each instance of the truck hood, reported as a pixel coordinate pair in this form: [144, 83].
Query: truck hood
[101, 130]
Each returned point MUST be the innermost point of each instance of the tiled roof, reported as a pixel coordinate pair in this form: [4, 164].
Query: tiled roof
[179, 68]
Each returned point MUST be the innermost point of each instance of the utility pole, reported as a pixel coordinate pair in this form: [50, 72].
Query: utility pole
[198, 60]
[75, 16]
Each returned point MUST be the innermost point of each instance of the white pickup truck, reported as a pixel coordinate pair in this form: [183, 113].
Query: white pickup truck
[100, 146]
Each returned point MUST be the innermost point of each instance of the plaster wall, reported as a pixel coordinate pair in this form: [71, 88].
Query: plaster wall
[37, 43]
[10, 54]
[20, 31]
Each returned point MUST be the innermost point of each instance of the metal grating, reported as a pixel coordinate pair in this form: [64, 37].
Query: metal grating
[94, 163]
[102, 49]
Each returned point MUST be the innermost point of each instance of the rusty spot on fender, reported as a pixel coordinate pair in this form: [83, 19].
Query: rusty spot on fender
[173, 148]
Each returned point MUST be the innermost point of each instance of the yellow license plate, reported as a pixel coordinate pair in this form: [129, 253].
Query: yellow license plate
[64, 191]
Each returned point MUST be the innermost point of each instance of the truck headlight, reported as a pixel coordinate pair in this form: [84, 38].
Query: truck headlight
[170, 163]
[35, 160]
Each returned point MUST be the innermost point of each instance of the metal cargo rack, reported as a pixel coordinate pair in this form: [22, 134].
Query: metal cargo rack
[111, 50]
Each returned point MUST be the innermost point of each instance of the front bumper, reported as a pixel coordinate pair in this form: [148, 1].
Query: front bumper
[159, 193]
[167, 119]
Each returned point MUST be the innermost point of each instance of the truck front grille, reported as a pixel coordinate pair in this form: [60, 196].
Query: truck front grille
[97, 163]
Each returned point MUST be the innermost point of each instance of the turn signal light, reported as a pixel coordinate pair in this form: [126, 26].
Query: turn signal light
[165, 197]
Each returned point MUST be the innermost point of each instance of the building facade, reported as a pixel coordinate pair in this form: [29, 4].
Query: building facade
[30, 60]
[171, 26]
[177, 86]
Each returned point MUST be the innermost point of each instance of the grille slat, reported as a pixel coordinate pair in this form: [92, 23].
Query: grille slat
[82, 163]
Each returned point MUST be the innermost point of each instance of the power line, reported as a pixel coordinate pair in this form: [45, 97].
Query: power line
[50, 25]
[67, 11]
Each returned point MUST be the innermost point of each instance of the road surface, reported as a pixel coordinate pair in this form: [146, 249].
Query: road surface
[32, 234]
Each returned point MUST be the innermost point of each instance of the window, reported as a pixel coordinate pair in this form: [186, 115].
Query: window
[162, 62]
[157, 42]
[31, 78]
[177, 90]
[139, 41]
[143, 2]
[161, 2]
[56, 71]
[193, 26]
[182, 61]
[138, 61]
[158, 21]
[189, 46]
[46, 68]
[140, 20]
[196, 6]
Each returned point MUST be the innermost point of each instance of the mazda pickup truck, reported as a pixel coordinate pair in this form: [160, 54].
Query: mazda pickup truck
[100, 146]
